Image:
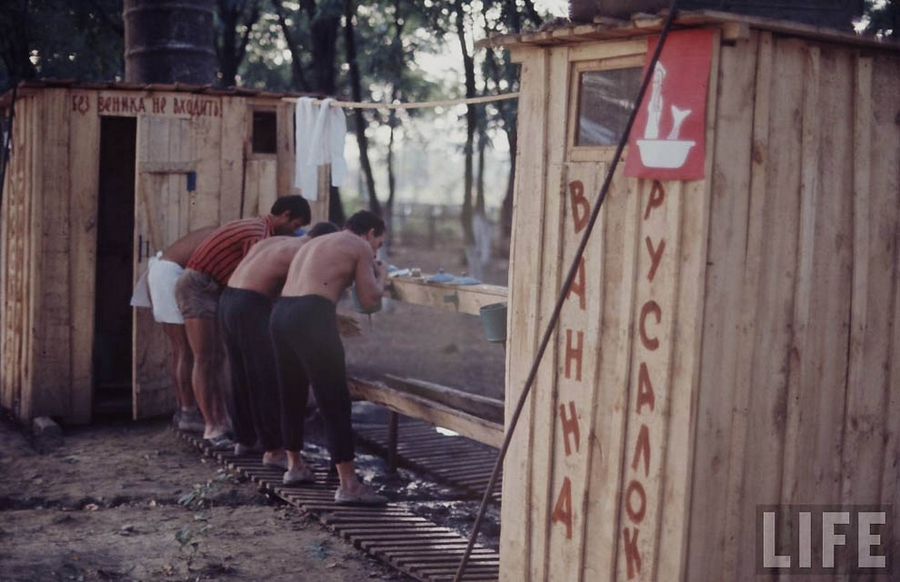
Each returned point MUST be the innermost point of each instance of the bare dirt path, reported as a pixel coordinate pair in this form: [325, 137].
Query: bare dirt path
[113, 503]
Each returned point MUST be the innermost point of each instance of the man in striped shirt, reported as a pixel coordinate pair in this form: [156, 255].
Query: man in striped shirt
[198, 290]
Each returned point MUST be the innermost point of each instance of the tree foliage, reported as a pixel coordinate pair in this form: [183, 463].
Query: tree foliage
[364, 50]
[61, 39]
[882, 18]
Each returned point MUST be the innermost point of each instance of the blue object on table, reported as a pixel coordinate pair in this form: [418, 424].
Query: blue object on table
[440, 278]
[464, 281]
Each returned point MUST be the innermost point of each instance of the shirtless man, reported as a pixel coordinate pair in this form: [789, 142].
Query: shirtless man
[163, 272]
[308, 349]
[244, 310]
[197, 292]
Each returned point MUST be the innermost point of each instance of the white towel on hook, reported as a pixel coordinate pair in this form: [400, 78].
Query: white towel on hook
[320, 140]
[327, 141]
[304, 173]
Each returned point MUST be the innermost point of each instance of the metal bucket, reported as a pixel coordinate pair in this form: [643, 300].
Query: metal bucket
[170, 41]
[493, 318]
[358, 306]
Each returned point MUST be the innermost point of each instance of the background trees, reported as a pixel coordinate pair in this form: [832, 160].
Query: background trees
[361, 50]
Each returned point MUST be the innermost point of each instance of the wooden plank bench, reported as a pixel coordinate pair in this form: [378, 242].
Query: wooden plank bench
[476, 417]
[460, 298]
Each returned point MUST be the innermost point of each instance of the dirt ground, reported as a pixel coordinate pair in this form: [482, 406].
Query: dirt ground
[131, 501]
[114, 503]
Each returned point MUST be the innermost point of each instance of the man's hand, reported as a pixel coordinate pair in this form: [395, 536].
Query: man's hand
[348, 326]
[380, 269]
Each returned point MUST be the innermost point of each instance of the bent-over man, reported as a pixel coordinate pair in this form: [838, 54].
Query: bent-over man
[164, 271]
[244, 310]
[198, 290]
[308, 349]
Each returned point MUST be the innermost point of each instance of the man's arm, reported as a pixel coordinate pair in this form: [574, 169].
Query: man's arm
[370, 278]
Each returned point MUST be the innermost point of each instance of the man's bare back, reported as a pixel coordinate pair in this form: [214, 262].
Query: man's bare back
[265, 267]
[329, 264]
[181, 250]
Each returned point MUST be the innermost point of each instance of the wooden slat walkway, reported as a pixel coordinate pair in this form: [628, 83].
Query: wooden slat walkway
[454, 459]
[393, 533]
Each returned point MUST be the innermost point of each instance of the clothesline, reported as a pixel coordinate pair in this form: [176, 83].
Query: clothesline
[420, 105]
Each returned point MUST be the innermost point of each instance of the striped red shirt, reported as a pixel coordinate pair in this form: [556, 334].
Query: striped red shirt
[219, 255]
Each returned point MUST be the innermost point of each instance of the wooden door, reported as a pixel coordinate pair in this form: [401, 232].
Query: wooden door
[162, 207]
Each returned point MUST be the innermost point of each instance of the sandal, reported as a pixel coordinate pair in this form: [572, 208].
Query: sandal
[275, 461]
[296, 477]
[365, 496]
[219, 443]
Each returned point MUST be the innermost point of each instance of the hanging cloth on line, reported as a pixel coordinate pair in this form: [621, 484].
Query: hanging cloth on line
[320, 132]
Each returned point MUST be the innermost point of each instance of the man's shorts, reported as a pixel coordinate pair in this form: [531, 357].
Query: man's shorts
[161, 278]
[197, 295]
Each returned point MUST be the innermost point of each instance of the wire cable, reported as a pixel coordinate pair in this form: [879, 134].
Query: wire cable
[417, 105]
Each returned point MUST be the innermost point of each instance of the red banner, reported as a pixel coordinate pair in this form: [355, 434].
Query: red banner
[668, 140]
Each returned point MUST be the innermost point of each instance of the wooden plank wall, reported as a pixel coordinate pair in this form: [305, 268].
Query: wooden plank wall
[798, 392]
[17, 240]
[231, 191]
[605, 440]
[749, 361]
[84, 167]
[524, 298]
[49, 224]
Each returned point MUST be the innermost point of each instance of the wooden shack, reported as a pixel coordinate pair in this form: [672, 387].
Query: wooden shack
[100, 178]
[730, 342]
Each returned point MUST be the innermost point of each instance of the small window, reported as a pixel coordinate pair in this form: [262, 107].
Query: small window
[265, 139]
[605, 100]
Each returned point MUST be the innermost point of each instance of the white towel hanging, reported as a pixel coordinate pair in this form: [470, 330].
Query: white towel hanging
[320, 140]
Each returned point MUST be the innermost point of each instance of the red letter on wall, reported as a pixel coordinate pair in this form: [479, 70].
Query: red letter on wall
[563, 510]
[569, 426]
[642, 448]
[577, 286]
[635, 515]
[645, 394]
[657, 196]
[573, 353]
[651, 343]
[581, 208]
[632, 555]
[655, 256]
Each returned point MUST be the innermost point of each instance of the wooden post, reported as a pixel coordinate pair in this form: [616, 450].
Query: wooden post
[393, 419]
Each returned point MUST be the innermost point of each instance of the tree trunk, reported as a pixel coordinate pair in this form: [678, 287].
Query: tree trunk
[471, 122]
[297, 73]
[507, 209]
[359, 118]
[335, 207]
[323, 32]
[479, 186]
[389, 206]
[231, 47]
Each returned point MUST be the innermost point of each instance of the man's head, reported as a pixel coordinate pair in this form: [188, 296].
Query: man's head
[289, 213]
[367, 225]
[321, 228]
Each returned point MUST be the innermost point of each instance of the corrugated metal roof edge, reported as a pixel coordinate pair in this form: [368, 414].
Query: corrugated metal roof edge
[646, 24]
[52, 83]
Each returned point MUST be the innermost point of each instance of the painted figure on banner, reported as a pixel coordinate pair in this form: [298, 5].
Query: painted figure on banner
[670, 129]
